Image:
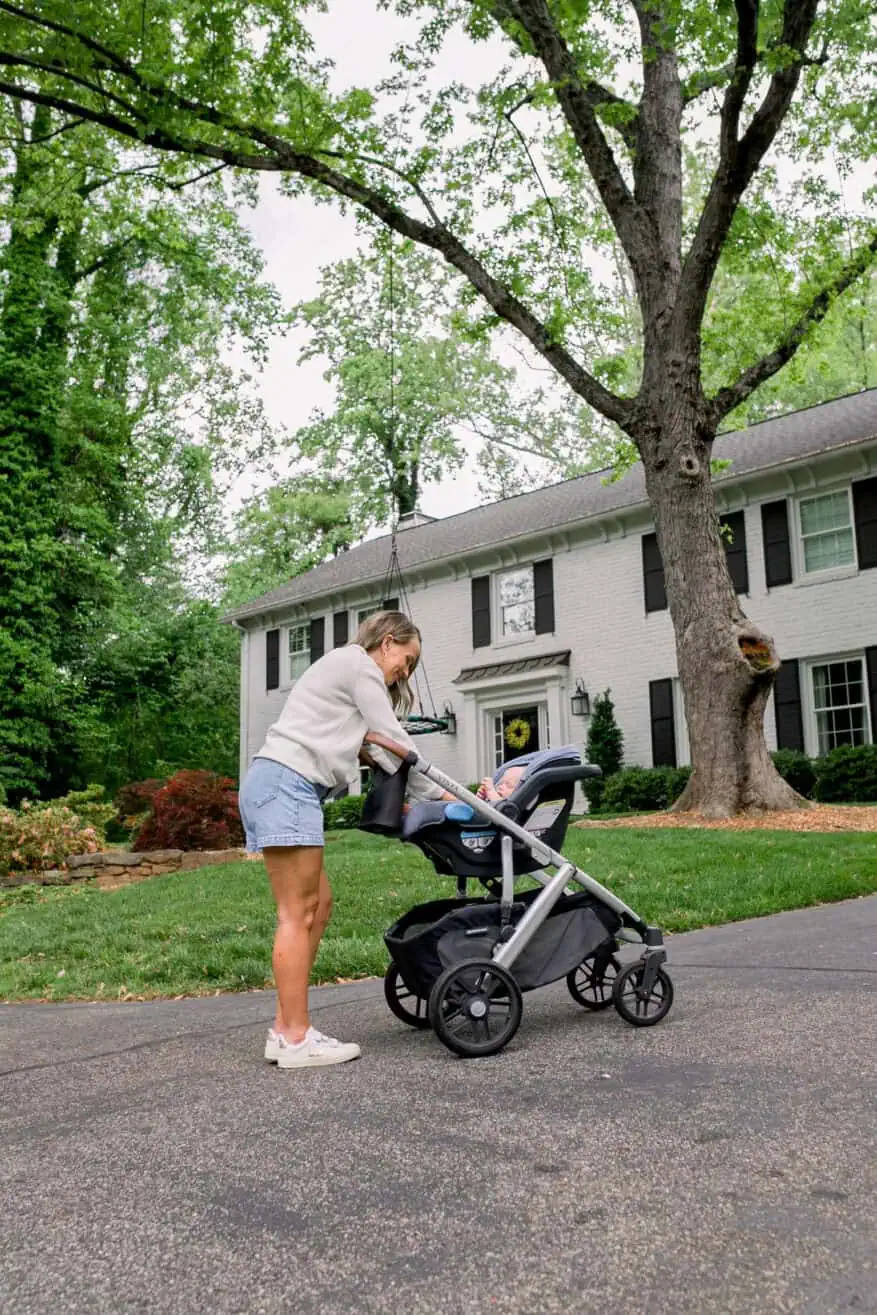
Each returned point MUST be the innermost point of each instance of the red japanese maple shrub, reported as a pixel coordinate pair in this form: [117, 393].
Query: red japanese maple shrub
[193, 810]
[136, 798]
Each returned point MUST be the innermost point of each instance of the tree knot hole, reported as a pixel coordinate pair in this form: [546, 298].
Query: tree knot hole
[689, 466]
[757, 653]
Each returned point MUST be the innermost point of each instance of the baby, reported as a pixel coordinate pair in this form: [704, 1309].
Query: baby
[507, 784]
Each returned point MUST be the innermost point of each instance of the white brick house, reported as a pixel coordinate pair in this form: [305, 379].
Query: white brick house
[523, 601]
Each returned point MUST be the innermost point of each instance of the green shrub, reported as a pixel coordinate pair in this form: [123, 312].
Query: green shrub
[40, 836]
[343, 814]
[643, 789]
[605, 748]
[90, 806]
[847, 774]
[796, 768]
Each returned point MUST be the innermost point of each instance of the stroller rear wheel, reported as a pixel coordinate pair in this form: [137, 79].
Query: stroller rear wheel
[639, 1007]
[475, 1008]
[590, 985]
[410, 1008]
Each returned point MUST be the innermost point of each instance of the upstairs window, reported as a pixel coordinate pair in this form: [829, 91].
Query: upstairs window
[513, 604]
[826, 531]
[517, 603]
[298, 652]
[388, 605]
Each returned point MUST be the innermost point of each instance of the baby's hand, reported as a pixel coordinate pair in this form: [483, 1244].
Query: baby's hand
[485, 788]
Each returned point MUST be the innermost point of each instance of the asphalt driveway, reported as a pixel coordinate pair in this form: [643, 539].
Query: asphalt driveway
[722, 1162]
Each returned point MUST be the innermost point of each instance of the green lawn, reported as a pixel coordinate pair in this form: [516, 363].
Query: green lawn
[210, 930]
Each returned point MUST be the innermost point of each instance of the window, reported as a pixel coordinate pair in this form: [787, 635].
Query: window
[299, 651]
[388, 605]
[517, 603]
[826, 531]
[840, 704]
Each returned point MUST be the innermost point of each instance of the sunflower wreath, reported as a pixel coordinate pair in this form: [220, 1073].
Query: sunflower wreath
[517, 733]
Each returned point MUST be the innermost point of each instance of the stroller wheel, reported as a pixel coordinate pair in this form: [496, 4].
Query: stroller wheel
[475, 1008]
[590, 985]
[634, 1005]
[411, 1008]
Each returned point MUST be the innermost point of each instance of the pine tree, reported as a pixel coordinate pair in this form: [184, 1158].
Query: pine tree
[605, 747]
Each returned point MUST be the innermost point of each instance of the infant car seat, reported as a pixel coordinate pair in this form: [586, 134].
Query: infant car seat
[469, 846]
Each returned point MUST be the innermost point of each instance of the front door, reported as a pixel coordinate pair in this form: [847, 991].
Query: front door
[515, 731]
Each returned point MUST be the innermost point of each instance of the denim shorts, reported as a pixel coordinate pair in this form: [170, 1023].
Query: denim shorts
[279, 807]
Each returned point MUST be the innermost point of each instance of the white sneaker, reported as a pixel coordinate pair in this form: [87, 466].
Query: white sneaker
[315, 1051]
[272, 1046]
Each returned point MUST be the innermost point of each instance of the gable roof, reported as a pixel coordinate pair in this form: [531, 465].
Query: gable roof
[793, 437]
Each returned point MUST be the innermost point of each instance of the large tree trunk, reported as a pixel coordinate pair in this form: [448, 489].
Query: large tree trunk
[726, 664]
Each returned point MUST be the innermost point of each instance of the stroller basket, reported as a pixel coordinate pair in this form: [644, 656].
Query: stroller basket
[434, 936]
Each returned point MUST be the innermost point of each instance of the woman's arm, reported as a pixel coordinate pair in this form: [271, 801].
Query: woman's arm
[373, 701]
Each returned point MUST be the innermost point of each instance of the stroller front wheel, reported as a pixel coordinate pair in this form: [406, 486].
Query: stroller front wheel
[475, 1008]
[405, 1004]
[636, 1006]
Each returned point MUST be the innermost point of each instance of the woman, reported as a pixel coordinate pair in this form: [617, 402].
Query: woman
[312, 748]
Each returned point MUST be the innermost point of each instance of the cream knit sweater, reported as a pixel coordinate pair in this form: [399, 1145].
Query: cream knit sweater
[325, 718]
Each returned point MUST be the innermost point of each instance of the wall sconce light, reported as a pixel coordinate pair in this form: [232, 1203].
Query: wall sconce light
[449, 717]
[580, 701]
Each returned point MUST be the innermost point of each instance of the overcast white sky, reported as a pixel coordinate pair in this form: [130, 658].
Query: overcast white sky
[298, 237]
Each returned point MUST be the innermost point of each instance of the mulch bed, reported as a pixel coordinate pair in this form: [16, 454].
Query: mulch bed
[820, 817]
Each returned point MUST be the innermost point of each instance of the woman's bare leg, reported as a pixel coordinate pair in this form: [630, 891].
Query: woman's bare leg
[321, 919]
[296, 876]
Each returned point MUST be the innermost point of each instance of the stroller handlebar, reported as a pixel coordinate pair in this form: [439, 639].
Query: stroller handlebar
[398, 750]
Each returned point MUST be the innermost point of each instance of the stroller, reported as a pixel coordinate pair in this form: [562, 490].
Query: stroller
[460, 965]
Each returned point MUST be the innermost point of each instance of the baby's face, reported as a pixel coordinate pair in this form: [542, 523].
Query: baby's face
[509, 782]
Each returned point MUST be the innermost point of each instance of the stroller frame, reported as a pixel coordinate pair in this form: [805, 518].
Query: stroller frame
[642, 976]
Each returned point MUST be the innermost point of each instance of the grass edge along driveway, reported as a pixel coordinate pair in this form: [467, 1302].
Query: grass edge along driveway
[210, 930]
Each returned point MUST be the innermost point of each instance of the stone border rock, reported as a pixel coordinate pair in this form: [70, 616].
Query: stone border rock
[118, 868]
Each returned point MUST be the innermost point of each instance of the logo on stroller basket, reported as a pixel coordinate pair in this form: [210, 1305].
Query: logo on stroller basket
[478, 840]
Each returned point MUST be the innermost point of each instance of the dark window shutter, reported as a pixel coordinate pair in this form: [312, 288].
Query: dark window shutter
[481, 611]
[777, 552]
[663, 726]
[318, 638]
[543, 594]
[735, 550]
[390, 605]
[272, 659]
[340, 629]
[865, 513]
[653, 575]
[871, 664]
[787, 706]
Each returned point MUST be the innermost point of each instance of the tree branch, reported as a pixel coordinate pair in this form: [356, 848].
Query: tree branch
[578, 107]
[286, 159]
[739, 158]
[104, 259]
[14, 60]
[699, 83]
[158, 138]
[727, 398]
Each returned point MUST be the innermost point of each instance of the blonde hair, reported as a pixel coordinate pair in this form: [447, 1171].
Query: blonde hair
[371, 634]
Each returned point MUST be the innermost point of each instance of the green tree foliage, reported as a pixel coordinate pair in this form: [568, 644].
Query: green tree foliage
[416, 391]
[283, 532]
[120, 424]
